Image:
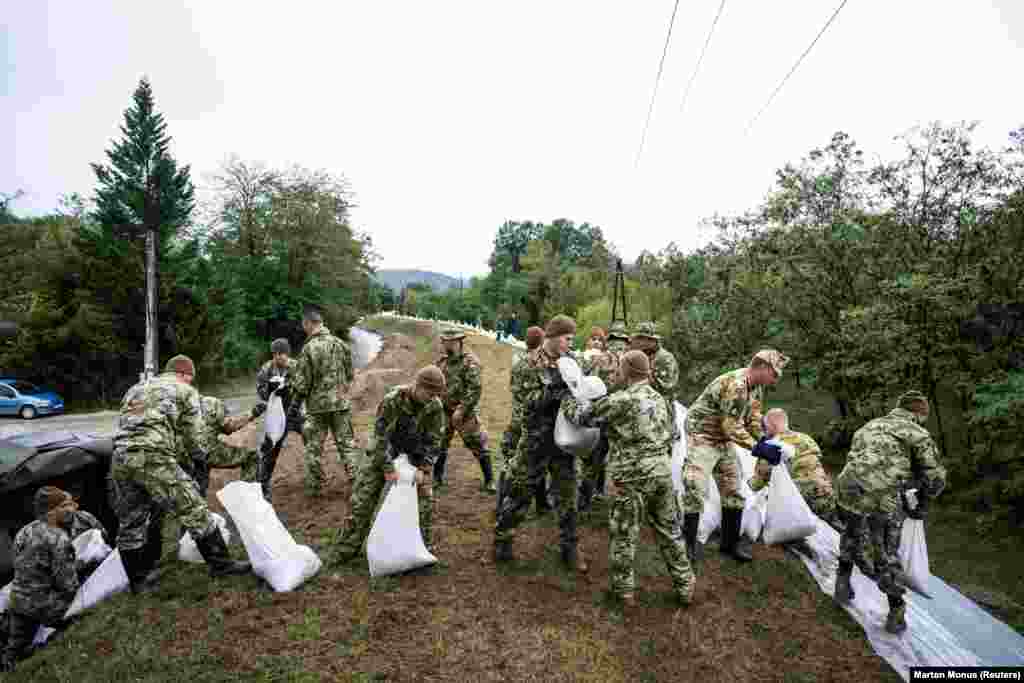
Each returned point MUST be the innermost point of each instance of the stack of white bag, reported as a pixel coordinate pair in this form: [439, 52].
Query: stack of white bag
[395, 544]
[274, 554]
[187, 549]
[108, 579]
[575, 440]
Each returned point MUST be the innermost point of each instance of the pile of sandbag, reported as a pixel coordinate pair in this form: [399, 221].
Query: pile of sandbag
[395, 544]
[274, 554]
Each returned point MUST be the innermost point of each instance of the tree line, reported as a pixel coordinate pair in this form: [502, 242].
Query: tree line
[234, 269]
[872, 276]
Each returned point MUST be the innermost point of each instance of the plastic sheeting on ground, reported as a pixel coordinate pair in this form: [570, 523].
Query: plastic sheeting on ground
[395, 543]
[274, 554]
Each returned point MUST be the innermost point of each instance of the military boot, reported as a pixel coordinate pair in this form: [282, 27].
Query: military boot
[141, 578]
[503, 551]
[265, 472]
[488, 472]
[540, 496]
[502, 492]
[215, 552]
[732, 544]
[844, 590]
[574, 560]
[586, 495]
[896, 620]
[694, 548]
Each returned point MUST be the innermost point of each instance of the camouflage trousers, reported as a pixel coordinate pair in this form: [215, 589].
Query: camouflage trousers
[509, 446]
[366, 495]
[654, 501]
[223, 456]
[314, 432]
[537, 456]
[879, 536]
[592, 465]
[144, 486]
[472, 435]
[18, 632]
[702, 461]
[820, 498]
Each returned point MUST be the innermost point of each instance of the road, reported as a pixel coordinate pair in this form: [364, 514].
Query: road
[100, 423]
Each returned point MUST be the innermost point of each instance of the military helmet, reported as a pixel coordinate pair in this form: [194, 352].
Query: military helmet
[452, 334]
[647, 329]
[618, 331]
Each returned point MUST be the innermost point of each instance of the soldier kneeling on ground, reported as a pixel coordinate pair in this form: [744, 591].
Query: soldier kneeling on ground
[45, 578]
[639, 443]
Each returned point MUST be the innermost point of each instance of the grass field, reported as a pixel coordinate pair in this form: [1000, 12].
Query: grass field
[468, 619]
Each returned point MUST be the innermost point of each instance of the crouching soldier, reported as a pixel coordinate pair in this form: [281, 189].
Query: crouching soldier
[160, 419]
[215, 453]
[886, 454]
[45, 580]
[639, 431]
[410, 421]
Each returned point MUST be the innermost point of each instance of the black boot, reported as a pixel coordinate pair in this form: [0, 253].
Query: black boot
[213, 550]
[586, 495]
[732, 543]
[136, 567]
[439, 466]
[896, 620]
[503, 551]
[502, 491]
[265, 471]
[694, 548]
[844, 591]
[540, 495]
[488, 471]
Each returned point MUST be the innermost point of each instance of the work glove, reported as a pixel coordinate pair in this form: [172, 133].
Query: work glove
[276, 382]
[918, 512]
[768, 452]
[258, 410]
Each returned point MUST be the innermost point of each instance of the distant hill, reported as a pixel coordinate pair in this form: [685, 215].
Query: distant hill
[397, 279]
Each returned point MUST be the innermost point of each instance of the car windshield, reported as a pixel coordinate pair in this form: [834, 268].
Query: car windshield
[26, 387]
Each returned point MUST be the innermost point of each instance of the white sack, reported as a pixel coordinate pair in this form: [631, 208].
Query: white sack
[275, 556]
[914, 555]
[5, 597]
[711, 516]
[571, 373]
[395, 544]
[90, 547]
[754, 513]
[679, 450]
[572, 439]
[274, 422]
[788, 518]
[187, 549]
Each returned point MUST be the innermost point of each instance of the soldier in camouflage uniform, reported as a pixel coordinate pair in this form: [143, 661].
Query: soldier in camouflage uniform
[45, 580]
[158, 431]
[728, 410]
[410, 421]
[322, 378]
[664, 368]
[510, 439]
[273, 376]
[606, 366]
[215, 453]
[540, 389]
[462, 370]
[637, 422]
[888, 456]
[78, 522]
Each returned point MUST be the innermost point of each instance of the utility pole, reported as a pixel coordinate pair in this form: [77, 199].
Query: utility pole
[150, 356]
[619, 291]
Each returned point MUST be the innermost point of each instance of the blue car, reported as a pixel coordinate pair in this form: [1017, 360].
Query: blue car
[18, 397]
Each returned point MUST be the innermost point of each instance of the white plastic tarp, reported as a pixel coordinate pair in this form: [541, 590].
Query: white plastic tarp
[395, 543]
[274, 554]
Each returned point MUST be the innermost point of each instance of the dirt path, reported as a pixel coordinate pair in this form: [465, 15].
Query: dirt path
[472, 621]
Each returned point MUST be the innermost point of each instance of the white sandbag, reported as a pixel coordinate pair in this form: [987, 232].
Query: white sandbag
[274, 421]
[754, 513]
[572, 374]
[395, 544]
[711, 515]
[788, 518]
[679, 449]
[274, 554]
[914, 555]
[572, 439]
[90, 547]
[187, 550]
[5, 597]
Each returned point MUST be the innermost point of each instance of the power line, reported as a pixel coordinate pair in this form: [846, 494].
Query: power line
[689, 85]
[786, 78]
[657, 80]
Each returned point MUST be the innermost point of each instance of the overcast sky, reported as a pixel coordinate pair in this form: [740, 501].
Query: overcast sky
[449, 118]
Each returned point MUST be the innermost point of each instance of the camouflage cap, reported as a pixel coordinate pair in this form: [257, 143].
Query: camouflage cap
[452, 334]
[182, 364]
[773, 358]
[909, 398]
[534, 336]
[618, 331]
[636, 365]
[280, 346]
[432, 379]
[647, 329]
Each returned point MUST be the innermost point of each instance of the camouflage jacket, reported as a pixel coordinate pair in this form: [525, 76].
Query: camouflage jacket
[727, 410]
[515, 424]
[45, 581]
[462, 379]
[80, 521]
[536, 372]
[804, 467]
[606, 366]
[270, 370]
[888, 454]
[215, 423]
[639, 428]
[162, 415]
[664, 373]
[323, 373]
[410, 427]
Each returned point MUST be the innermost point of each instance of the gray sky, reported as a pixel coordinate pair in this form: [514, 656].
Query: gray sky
[450, 117]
